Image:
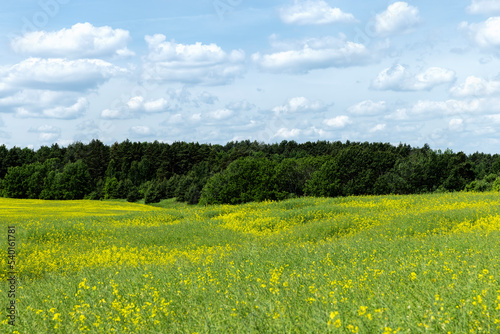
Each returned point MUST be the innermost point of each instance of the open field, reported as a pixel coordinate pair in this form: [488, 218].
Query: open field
[388, 264]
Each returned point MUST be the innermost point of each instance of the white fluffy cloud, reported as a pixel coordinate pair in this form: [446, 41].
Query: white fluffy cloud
[338, 122]
[191, 63]
[285, 133]
[62, 111]
[314, 133]
[432, 77]
[45, 104]
[48, 137]
[28, 96]
[51, 85]
[398, 78]
[82, 40]
[138, 103]
[221, 114]
[313, 54]
[474, 86]
[484, 7]
[378, 127]
[430, 109]
[113, 114]
[448, 106]
[195, 117]
[58, 74]
[368, 108]
[456, 124]
[398, 17]
[298, 105]
[313, 12]
[138, 106]
[67, 112]
[485, 34]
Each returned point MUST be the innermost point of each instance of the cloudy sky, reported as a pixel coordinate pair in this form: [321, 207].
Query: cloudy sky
[212, 71]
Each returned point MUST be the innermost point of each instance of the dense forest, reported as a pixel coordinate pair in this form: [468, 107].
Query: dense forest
[238, 172]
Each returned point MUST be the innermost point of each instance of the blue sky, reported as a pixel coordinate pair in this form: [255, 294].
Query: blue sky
[213, 71]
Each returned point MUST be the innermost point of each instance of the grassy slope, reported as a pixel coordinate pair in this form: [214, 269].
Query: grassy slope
[368, 264]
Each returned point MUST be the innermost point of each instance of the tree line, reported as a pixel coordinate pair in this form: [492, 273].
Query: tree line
[238, 172]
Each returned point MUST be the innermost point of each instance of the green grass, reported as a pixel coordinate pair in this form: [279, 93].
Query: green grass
[407, 264]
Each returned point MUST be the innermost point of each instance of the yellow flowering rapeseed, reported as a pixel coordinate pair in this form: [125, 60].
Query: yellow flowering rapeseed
[371, 264]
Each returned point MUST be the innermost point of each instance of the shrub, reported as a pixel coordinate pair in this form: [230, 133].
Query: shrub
[496, 184]
[244, 180]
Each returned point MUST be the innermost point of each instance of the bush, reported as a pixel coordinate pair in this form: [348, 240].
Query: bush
[244, 180]
[480, 186]
[491, 178]
[496, 184]
[485, 184]
[110, 187]
[325, 182]
[143, 188]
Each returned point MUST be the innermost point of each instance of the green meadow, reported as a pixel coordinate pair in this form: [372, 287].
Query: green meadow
[375, 264]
